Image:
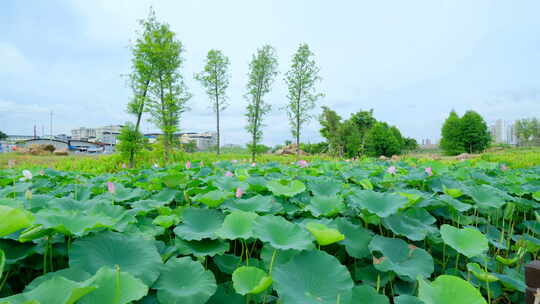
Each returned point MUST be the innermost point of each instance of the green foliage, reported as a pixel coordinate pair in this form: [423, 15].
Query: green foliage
[528, 131]
[262, 72]
[331, 129]
[130, 142]
[3, 135]
[381, 140]
[301, 80]
[466, 134]
[318, 148]
[215, 79]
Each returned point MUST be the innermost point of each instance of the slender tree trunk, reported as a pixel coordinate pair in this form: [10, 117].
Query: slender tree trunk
[139, 116]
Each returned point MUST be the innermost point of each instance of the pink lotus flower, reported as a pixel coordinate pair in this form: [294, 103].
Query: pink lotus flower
[27, 175]
[124, 166]
[391, 170]
[504, 167]
[234, 161]
[302, 163]
[229, 173]
[239, 192]
[188, 164]
[111, 188]
[429, 171]
[253, 164]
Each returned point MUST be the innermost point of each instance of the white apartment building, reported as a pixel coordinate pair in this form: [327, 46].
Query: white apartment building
[503, 132]
[106, 134]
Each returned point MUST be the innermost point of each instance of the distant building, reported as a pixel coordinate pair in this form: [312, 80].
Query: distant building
[203, 141]
[106, 134]
[503, 132]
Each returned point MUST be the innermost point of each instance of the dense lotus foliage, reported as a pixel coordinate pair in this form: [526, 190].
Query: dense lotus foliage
[325, 232]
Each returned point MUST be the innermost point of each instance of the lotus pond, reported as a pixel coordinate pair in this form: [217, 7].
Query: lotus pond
[326, 232]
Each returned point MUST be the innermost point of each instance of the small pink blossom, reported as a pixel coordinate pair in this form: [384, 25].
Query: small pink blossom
[124, 165]
[27, 175]
[302, 163]
[239, 192]
[229, 173]
[188, 164]
[504, 167]
[391, 170]
[111, 188]
[155, 165]
[234, 161]
[429, 171]
[253, 164]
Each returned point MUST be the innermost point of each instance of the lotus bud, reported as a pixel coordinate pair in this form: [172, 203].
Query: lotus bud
[111, 188]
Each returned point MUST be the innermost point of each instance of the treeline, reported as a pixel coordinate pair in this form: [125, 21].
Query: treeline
[468, 133]
[527, 131]
[362, 134]
[159, 90]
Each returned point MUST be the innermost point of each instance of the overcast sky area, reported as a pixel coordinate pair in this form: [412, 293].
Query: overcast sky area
[410, 61]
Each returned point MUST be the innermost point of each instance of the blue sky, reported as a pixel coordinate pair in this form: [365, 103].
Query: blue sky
[411, 61]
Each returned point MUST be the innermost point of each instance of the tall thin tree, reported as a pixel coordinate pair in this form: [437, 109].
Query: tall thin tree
[301, 80]
[168, 94]
[215, 79]
[142, 72]
[262, 72]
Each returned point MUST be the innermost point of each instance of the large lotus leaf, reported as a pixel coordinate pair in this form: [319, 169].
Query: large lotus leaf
[115, 287]
[272, 256]
[132, 254]
[480, 273]
[257, 203]
[487, 196]
[414, 223]
[447, 289]
[406, 299]
[373, 277]
[367, 294]
[14, 219]
[281, 234]
[57, 290]
[72, 274]
[324, 186]
[201, 248]
[356, 239]
[199, 224]
[250, 280]
[454, 203]
[284, 187]
[213, 198]
[74, 223]
[381, 204]
[512, 279]
[467, 241]
[401, 258]
[326, 205]
[323, 234]
[184, 281]
[313, 277]
[237, 225]
[15, 251]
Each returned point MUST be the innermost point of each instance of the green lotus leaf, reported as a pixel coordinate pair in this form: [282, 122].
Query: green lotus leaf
[14, 219]
[313, 277]
[201, 248]
[453, 192]
[401, 258]
[356, 239]
[174, 180]
[323, 234]
[512, 279]
[123, 194]
[536, 195]
[447, 289]
[406, 299]
[237, 225]
[115, 287]
[272, 256]
[213, 198]
[288, 188]
[486, 196]
[414, 223]
[381, 204]
[454, 203]
[57, 290]
[132, 254]
[326, 205]
[322, 186]
[257, 203]
[281, 234]
[373, 277]
[250, 280]
[467, 241]
[72, 274]
[367, 294]
[15, 251]
[166, 221]
[480, 273]
[199, 224]
[225, 294]
[185, 281]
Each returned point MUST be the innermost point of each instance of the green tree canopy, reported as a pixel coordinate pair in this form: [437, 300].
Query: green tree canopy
[381, 140]
[451, 140]
[475, 133]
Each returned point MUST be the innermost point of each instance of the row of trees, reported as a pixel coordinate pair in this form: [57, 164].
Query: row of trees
[468, 133]
[159, 89]
[362, 134]
[528, 131]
